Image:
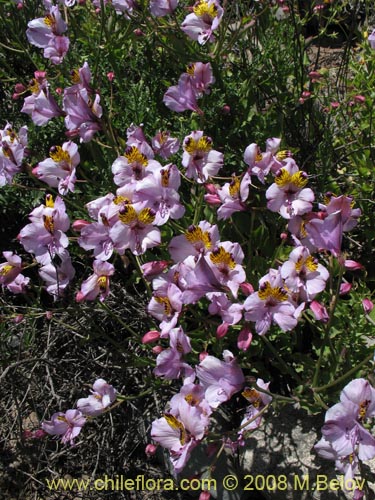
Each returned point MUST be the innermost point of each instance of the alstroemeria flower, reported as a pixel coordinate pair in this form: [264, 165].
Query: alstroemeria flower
[303, 275]
[199, 159]
[160, 8]
[12, 151]
[233, 196]
[288, 194]
[97, 283]
[102, 396]
[166, 305]
[67, 425]
[258, 400]
[40, 105]
[59, 170]
[164, 145]
[170, 363]
[271, 304]
[196, 241]
[133, 165]
[57, 276]
[203, 21]
[182, 97]
[220, 379]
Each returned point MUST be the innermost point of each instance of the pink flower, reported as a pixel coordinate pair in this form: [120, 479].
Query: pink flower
[10, 269]
[68, 425]
[40, 31]
[134, 165]
[59, 170]
[319, 311]
[197, 240]
[203, 21]
[154, 268]
[170, 363]
[160, 8]
[368, 306]
[12, 152]
[199, 159]
[103, 395]
[244, 338]
[97, 283]
[40, 105]
[258, 400]
[57, 276]
[288, 194]
[150, 337]
[82, 113]
[164, 145]
[220, 379]
[182, 97]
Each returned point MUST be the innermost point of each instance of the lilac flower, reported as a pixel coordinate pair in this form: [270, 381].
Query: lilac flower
[371, 39]
[40, 105]
[196, 241]
[288, 194]
[166, 305]
[303, 275]
[57, 49]
[361, 393]
[102, 396]
[97, 283]
[220, 379]
[182, 97]
[230, 313]
[133, 165]
[136, 137]
[135, 230]
[347, 465]
[164, 145]
[59, 170]
[12, 151]
[260, 163]
[45, 237]
[232, 197]
[170, 363]
[225, 264]
[41, 30]
[199, 159]
[57, 276]
[159, 191]
[160, 8]
[203, 21]
[337, 216]
[258, 400]
[83, 113]
[201, 77]
[271, 304]
[10, 273]
[68, 425]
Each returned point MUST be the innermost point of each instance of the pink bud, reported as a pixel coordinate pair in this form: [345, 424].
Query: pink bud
[360, 99]
[79, 224]
[18, 319]
[19, 88]
[353, 265]
[210, 188]
[202, 356]
[59, 90]
[157, 349]
[150, 450]
[80, 296]
[150, 337]
[345, 288]
[138, 32]
[49, 314]
[306, 94]
[368, 306]
[315, 76]
[212, 199]
[40, 75]
[222, 330]
[39, 434]
[244, 338]
[225, 109]
[247, 289]
[301, 100]
[154, 267]
[205, 495]
[319, 311]
[27, 434]
[283, 236]
[335, 104]
[111, 76]
[19, 6]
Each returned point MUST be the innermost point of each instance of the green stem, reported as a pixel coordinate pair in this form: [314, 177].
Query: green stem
[287, 368]
[119, 320]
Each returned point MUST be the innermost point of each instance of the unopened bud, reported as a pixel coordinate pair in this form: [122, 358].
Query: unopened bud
[150, 337]
[150, 450]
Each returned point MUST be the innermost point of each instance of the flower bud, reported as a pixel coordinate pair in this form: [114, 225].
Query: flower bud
[79, 224]
[212, 199]
[244, 339]
[319, 311]
[157, 349]
[345, 288]
[368, 306]
[247, 289]
[111, 76]
[352, 265]
[225, 109]
[205, 495]
[150, 450]
[150, 337]
[154, 267]
[202, 356]
[222, 330]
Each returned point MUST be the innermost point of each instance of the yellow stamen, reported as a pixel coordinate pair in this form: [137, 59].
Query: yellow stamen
[74, 76]
[283, 178]
[309, 263]
[363, 409]
[57, 154]
[102, 282]
[146, 216]
[252, 396]
[49, 20]
[281, 155]
[195, 235]
[34, 86]
[302, 229]
[202, 145]
[49, 201]
[222, 257]
[165, 303]
[258, 157]
[190, 69]
[128, 214]
[234, 186]
[165, 177]
[202, 8]
[176, 425]
[266, 291]
[49, 223]
[133, 155]
[191, 400]
[120, 199]
[61, 418]
[6, 269]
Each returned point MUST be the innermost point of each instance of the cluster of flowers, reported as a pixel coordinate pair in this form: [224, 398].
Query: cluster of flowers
[12, 152]
[69, 424]
[80, 106]
[47, 32]
[346, 439]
